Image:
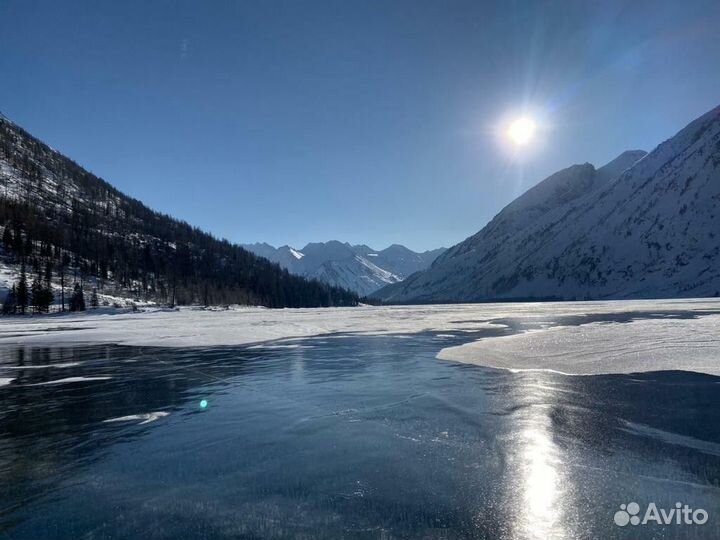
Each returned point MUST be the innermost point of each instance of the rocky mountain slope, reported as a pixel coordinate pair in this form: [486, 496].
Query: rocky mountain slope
[56, 217]
[642, 226]
[358, 268]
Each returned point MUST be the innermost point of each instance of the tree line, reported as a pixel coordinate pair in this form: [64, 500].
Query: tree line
[39, 296]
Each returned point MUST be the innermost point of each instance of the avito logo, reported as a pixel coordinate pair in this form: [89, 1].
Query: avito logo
[682, 514]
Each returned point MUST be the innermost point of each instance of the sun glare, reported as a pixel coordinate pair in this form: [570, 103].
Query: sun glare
[521, 130]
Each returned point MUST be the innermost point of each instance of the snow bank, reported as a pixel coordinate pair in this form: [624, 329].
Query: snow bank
[595, 348]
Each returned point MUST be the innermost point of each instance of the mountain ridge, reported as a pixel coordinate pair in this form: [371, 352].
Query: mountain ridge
[356, 267]
[620, 231]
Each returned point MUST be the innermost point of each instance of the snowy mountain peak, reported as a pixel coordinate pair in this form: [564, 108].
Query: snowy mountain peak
[359, 268]
[620, 164]
[644, 225]
[558, 188]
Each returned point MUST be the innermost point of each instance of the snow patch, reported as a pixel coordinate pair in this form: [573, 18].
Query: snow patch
[145, 418]
[71, 380]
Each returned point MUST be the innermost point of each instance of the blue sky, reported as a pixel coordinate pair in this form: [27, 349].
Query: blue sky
[371, 121]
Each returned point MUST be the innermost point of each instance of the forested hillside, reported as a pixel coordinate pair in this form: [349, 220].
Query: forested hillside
[58, 218]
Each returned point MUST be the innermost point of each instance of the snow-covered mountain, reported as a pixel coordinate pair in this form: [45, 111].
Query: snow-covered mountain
[58, 218]
[358, 268]
[642, 226]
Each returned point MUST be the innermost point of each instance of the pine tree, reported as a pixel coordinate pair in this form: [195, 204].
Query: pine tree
[7, 239]
[47, 292]
[17, 241]
[47, 299]
[64, 261]
[36, 295]
[10, 303]
[77, 300]
[48, 274]
[22, 291]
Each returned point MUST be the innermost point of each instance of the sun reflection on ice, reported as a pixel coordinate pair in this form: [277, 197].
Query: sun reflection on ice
[541, 484]
[541, 493]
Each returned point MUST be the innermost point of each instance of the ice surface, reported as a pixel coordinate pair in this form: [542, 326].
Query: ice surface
[568, 337]
[206, 328]
[603, 347]
[676, 439]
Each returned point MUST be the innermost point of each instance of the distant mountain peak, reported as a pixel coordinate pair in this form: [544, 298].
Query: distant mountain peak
[358, 268]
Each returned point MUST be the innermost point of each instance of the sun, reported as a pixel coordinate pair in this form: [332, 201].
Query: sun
[522, 130]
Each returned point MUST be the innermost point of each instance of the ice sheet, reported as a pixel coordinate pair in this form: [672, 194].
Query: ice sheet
[653, 334]
[607, 347]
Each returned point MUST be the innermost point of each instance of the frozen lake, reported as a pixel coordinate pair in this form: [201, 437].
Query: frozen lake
[346, 436]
